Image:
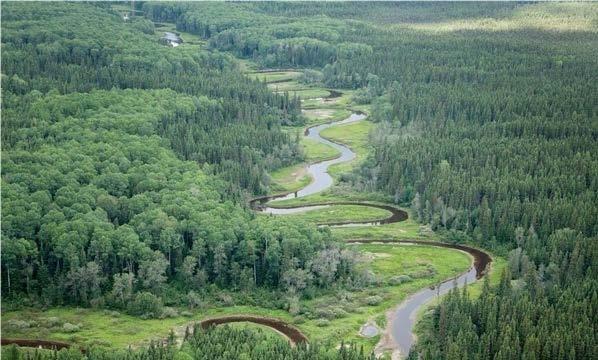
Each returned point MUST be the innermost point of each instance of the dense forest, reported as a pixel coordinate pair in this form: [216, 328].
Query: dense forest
[229, 343]
[98, 209]
[234, 124]
[126, 164]
[486, 128]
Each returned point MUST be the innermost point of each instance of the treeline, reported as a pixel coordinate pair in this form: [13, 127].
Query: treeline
[536, 312]
[271, 41]
[96, 210]
[490, 136]
[487, 129]
[221, 343]
[58, 48]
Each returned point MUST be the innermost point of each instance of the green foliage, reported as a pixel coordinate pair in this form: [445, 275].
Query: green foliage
[98, 201]
[540, 312]
[223, 342]
[233, 123]
[146, 305]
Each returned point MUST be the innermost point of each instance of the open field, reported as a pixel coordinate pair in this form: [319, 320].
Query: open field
[275, 76]
[340, 213]
[290, 178]
[315, 151]
[319, 116]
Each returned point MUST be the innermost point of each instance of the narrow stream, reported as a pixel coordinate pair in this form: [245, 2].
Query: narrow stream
[398, 336]
[321, 179]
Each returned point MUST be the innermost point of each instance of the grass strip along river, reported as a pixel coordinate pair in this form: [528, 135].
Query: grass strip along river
[398, 336]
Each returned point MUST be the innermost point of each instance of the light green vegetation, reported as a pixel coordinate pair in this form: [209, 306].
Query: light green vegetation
[386, 262]
[295, 177]
[340, 213]
[307, 93]
[316, 151]
[346, 312]
[404, 230]
[341, 102]
[319, 116]
[336, 193]
[274, 76]
[290, 178]
[355, 136]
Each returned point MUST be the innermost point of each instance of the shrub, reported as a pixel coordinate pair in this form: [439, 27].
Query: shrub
[322, 322]
[429, 271]
[298, 320]
[146, 305]
[325, 313]
[19, 324]
[70, 328]
[339, 313]
[373, 300]
[52, 321]
[193, 300]
[168, 312]
[186, 313]
[400, 279]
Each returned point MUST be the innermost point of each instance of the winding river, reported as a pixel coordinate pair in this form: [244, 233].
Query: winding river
[398, 336]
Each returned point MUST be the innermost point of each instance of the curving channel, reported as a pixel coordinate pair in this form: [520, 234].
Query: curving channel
[398, 336]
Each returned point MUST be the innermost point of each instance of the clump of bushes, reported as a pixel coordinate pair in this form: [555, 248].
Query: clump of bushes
[373, 300]
[429, 271]
[400, 279]
[298, 320]
[21, 324]
[325, 313]
[70, 328]
[146, 305]
[52, 321]
[322, 322]
[168, 312]
[194, 300]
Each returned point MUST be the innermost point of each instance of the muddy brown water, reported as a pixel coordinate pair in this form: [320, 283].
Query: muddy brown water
[398, 336]
[292, 333]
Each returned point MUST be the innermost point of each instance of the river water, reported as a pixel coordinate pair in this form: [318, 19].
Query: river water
[321, 179]
[401, 320]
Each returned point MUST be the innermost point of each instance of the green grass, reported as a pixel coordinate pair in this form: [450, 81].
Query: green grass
[275, 76]
[290, 178]
[105, 329]
[310, 93]
[287, 86]
[338, 213]
[355, 136]
[316, 151]
[404, 230]
[320, 116]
